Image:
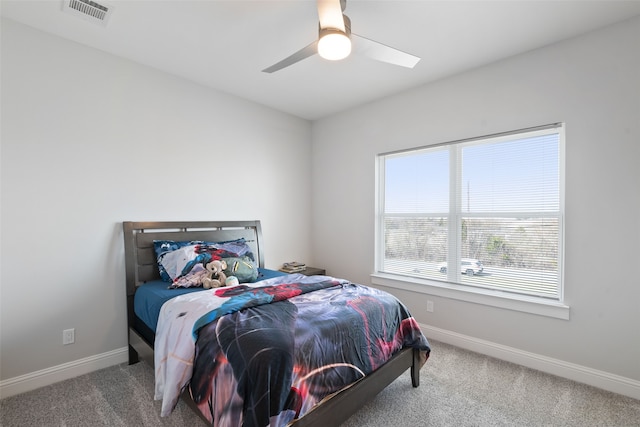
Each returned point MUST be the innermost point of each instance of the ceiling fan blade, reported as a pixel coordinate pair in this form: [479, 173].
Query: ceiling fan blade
[384, 53]
[330, 14]
[303, 53]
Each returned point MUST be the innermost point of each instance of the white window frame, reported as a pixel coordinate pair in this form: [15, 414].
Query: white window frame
[490, 297]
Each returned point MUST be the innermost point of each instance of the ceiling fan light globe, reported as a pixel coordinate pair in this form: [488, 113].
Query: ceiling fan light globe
[334, 46]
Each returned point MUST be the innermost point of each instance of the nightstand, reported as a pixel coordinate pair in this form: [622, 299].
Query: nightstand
[313, 271]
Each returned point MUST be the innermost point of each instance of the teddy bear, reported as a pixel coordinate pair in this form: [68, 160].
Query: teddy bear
[215, 277]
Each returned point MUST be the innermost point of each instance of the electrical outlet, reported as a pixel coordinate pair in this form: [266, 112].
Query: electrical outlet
[68, 336]
[430, 306]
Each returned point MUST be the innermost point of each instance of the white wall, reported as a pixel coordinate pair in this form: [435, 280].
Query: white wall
[592, 84]
[90, 140]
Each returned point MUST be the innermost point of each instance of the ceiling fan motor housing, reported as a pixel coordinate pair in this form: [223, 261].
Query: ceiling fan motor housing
[347, 29]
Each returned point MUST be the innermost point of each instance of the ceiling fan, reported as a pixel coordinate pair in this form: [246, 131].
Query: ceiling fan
[335, 39]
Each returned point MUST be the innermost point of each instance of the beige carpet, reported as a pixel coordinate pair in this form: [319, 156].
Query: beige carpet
[458, 388]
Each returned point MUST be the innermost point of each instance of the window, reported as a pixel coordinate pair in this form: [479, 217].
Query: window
[484, 214]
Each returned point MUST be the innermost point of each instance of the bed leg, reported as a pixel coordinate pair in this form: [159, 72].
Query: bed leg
[133, 355]
[415, 368]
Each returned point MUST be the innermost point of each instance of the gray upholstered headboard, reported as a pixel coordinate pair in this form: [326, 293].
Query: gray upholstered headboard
[140, 257]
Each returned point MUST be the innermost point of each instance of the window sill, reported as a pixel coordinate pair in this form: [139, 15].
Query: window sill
[533, 305]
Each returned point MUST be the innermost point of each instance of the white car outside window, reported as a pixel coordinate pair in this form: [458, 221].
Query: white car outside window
[469, 267]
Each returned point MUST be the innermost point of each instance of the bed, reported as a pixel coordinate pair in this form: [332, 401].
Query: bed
[326, 400]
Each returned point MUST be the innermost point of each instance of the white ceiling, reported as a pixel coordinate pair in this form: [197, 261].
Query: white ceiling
[226, 44]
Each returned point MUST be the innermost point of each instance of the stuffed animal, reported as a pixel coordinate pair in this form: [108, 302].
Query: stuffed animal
[231, 281]
[242, 268]
[215, 277]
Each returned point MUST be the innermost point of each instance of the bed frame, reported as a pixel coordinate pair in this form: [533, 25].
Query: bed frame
[141, 266]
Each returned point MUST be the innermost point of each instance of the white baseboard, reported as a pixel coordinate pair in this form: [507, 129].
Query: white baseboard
[582, 374]
[593, 377]
[44, 377]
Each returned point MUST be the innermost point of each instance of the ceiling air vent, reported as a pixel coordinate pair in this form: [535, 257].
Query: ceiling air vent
[92, 11]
